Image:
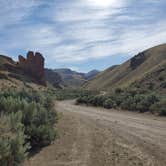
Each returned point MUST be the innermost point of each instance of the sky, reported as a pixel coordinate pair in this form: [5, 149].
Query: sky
[81, 34]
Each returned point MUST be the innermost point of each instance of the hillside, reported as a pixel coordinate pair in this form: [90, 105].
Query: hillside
[155, 80]
[30, 70]
[73, 79]
[53, 78]
[24, 73]
[90, 75]
[136, 69]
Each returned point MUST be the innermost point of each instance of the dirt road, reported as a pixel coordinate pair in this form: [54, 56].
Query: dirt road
[97, 137]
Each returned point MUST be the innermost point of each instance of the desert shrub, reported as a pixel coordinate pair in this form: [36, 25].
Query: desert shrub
[65, 94]
[80, 100]
[161, 78]
[145, 102]
[132, 100]
[37, 117]
[13, 148]
[138, 102]
[95, 100]
[118, 99]
[163, 85]
[98, 101]
[162, 111]
[10, 104]
[38, 124]
[151, 86]
[127, 104]
[118, 90]
[109, 103]
[159, 108]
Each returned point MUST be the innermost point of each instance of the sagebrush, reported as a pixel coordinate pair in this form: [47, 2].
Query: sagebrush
[26, 122]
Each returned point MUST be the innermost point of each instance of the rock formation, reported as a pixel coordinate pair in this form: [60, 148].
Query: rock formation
[33, 65]
[137, 60]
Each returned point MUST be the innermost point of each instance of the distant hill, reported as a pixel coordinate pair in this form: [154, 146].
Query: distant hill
[53, 78]
[90, 75]
[73, 79]
[148, 67]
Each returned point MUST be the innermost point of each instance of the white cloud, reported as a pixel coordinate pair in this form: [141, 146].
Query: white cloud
[15, 11]
[105, 3]
[79, 30]
[31, 37]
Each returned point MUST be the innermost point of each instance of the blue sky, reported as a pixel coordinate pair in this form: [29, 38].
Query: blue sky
[81, 34]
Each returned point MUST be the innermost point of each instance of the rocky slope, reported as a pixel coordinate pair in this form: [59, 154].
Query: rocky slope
[33, 66]
[26, 71]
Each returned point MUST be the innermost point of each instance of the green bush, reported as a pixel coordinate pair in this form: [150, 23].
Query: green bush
[97, 101]
[13, 148]
[109, 103]
[159, 107]
[127, 104]
[29, 119]
[65, 94]
[131, 100]
[144, 102]
[37, 121]
[118, 90]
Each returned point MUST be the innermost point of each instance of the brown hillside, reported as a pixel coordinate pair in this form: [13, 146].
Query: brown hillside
[134, 69]
[23, 73]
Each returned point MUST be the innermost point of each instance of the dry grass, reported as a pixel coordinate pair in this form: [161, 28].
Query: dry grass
[123, 75]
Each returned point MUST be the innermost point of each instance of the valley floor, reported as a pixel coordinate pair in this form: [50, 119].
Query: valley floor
[91, 136]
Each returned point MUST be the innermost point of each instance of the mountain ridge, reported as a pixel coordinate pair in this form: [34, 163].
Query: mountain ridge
[74, 79]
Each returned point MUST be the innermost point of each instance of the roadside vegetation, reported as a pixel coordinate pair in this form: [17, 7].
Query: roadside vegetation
[69, 94]
[128, 99]
[27, 122]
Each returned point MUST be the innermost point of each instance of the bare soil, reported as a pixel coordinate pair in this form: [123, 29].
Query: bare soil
[91, 136]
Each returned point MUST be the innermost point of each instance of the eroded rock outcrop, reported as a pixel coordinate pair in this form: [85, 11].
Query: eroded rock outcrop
[137, 60]
[33, 65]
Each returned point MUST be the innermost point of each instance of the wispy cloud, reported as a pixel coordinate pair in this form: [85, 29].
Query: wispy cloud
[14, 12]
[72, 31]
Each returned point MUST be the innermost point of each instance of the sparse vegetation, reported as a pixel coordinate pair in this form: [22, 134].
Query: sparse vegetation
[131, 100]
[159, 107]
[66, 94]
[13, 145]
[26, 122]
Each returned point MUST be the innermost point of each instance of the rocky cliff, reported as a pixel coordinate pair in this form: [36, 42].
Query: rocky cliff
[33, 65]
